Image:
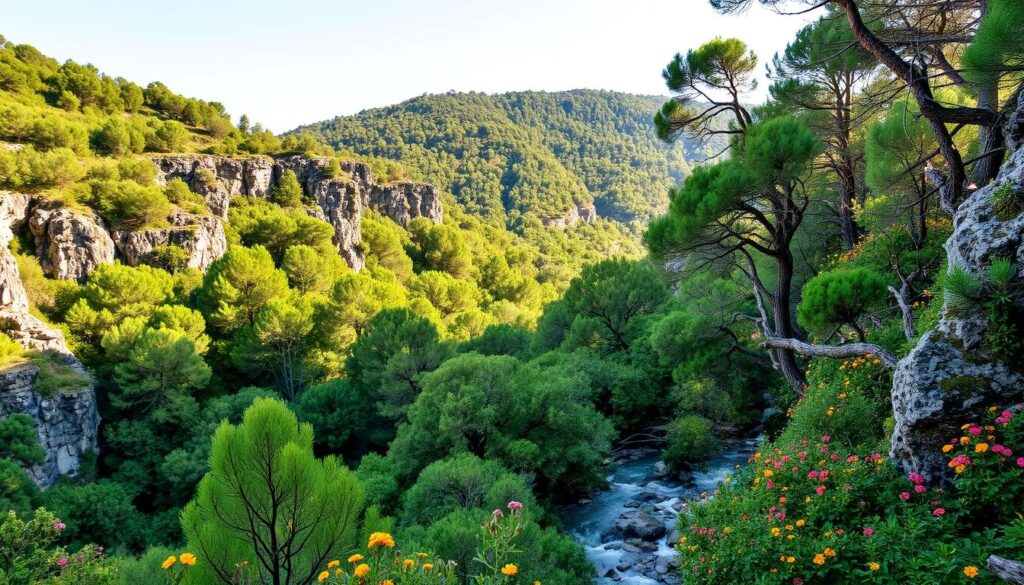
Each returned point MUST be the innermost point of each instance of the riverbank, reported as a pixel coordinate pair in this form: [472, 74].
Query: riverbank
[628, 530]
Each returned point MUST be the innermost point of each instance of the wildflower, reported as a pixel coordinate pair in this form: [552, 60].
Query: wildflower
[381, 539]
[819, 559]
[820, 490]
[1002, 450]
[938, 511]
[169, 562]
[800, 523]
[974, 430]
[1020, 462]
[981, 447]
[869, 531]
[187, 559]
[915, 477]
[408, 563]
[514, 505]
[323, 577]
[58, 526]
[355, 558]
[387, 582]
[791, 559]
[428, 567]
[947, 448]
[965, 440]
[905, 496]
[874, 566]
[333, 564]
[62, 561]
[509, 570]
[826, 439]
[971, 571]
[362, 570]
[830, 553]
[776, 531]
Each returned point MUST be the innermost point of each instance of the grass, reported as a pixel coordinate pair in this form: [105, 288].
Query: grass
[55, 375]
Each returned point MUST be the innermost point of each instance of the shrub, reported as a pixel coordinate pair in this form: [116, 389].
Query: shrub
[690, 441]
[10, 350]
[30, 555]
[839, 298]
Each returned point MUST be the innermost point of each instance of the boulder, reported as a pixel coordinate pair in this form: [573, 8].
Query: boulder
[641, 525]
[70, 243]
[949, 378]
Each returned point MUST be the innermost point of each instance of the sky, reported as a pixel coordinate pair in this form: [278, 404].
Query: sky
[286, 63]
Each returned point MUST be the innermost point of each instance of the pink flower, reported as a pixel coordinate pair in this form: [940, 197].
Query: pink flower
[62, 561]
[938, 511]
[974, 430]
[1002, 450]
[1004, 418]
[869, 531]
[58, 526]
[1020, 462]
[826, 439]
[915, 477]
[514, 505]
[813, 474]
[905, 496]
[920, 489]
[769, 484]
[820, 490]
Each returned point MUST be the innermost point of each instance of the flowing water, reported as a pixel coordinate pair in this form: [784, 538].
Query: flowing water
[634, 487]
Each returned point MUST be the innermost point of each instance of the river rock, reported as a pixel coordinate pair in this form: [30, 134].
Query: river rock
[640, 525]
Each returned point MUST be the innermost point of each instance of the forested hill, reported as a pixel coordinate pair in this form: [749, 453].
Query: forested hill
[545, 152]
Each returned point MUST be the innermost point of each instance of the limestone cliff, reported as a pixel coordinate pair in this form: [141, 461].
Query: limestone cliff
[69, 243]
[949, 377]
[67, 420]
[340, 200]
[201, 236]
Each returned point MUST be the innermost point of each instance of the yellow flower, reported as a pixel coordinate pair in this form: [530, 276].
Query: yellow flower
[683, 539]
[776, 531]
[801, 523]
[362, 570]
[387, 582]
[819, 559]
[381, 539]
[333, 564]
[981, 447]
[509, 570]
[169, 562]
[408, 563]
[830, 553]
[422, 555]
[947, 448]
[339, 572]
[791, 560]
[768, 473]
[965, 440]
[428, 566]
[322, 577]
[355, 558]
[727, 530]
[187, 559]
[874, 566]
[971, 571]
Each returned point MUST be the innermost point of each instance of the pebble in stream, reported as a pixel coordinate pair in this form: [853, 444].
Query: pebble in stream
[629, 530]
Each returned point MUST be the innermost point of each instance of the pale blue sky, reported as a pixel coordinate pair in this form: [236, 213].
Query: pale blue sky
[286, 63]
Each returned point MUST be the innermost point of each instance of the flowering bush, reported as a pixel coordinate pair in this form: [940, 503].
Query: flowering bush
[383, 564]
[814, 512]
[28, 554]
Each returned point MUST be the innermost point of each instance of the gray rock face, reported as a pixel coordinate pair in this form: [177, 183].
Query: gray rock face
[948, 378]
[68, 423]
[217, 178]
[586, 213]
[69, 243]
[341, 200]
[404, 201]
[202, 236]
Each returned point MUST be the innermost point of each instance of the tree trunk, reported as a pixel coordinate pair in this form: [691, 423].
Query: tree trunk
[847, 192]
[782, 309]
[833, 351]
[990, 138]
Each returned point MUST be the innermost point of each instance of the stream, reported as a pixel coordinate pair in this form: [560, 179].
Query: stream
[628, 530]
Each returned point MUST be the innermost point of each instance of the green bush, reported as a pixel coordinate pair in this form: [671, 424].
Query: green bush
[10, 350]
[839, 298]
[690, 441]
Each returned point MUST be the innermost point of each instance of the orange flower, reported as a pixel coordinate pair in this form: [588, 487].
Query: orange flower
[333, 564]
[408, 563]
[381, 539]
[819, 559]
[428, 566]
[168, 562]
[971, 571]
[874, 566]
[187, 559]
[322, 577]
[355, 558]
[830, 553]
[362, 570]
[509, 570]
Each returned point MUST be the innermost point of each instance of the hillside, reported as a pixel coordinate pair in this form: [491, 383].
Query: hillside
[504, 155]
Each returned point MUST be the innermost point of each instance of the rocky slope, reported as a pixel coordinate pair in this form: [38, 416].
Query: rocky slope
[949, 376]
[340, 199]
[68, 420]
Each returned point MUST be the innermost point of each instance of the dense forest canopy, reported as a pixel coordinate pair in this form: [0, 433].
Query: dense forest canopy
[508, 154]
[299, 384]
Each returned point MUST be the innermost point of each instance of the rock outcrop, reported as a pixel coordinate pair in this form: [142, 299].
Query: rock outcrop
[949, 377]
[403, 201]
[70, 243]
[341, 199]
[585, 213]
[67, 421]
[202, 236]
